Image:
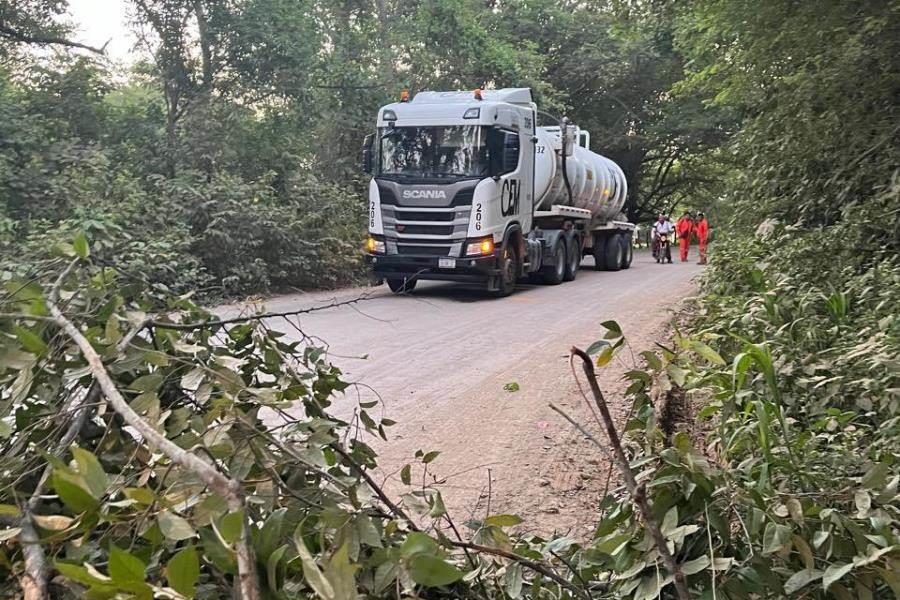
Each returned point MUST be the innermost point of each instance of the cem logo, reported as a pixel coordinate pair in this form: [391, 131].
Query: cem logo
[509, 197]
[430, 194]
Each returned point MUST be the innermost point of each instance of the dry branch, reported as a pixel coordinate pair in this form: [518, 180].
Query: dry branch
[228, 488]
[638, 495]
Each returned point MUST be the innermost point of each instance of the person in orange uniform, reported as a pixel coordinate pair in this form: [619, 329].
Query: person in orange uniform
[685, 229]
[702, 230]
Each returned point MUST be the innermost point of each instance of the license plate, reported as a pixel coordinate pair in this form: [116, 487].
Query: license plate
[447, 263]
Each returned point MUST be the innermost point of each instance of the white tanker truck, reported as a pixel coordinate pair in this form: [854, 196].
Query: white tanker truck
[466, 187]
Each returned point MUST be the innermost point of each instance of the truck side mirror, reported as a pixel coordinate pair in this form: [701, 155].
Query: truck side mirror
[367, 153]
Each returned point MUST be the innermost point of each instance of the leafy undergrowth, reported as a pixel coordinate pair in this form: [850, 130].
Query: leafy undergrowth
[799, 500]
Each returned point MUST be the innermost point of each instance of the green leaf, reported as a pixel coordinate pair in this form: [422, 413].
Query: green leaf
[418, 543]
[230, 526]
[514, 580]
[311, 572]
[612, 329]
[405, 474]
[706, 352]
[834, 573]
[597, 347]
[80, 574]
[270, 534]
[342, 575]
[174, 527]
[511, 387]
[875, 478]
[605, 357]
[503, 520]
[92, 472]
[124, 567]
[775, 537]
[432, 571]
[80, 244]
[72, 490]
[695, 566]
[272, 564]
[437, 508]
[800, 579]
[183, 571]
[430, 456]
[29, 340]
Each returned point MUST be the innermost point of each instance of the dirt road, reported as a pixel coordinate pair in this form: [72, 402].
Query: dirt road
[440, 359]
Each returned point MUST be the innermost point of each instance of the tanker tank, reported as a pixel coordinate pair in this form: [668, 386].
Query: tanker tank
[597, 183]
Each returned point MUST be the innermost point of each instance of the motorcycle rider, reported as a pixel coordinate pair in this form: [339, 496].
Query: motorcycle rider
[702, 231]
[662, 227]
[685, 229]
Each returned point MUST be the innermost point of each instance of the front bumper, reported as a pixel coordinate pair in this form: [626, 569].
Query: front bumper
[476, 269]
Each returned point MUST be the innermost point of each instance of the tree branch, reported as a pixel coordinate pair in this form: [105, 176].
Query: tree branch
[47, 40]
[262, 316]
[638, 495]
[228, 488]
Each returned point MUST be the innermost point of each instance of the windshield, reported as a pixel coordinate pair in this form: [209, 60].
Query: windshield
[434, 152]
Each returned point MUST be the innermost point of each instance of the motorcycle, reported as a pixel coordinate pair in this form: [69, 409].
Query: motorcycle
[663, 251]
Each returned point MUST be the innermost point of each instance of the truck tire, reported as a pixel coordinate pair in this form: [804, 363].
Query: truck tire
[599, 252]
[506, 280]
[629, 251]
[402, 285]
[573, 257]
[615, 252]
[555, 273]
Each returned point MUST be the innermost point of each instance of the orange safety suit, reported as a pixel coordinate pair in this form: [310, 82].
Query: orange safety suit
[684, 228]
[702, 235]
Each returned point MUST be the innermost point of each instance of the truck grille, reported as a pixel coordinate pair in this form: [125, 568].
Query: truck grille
[413, 250]
[426, 230]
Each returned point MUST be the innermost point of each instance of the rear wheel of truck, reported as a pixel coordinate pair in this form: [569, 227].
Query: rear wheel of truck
[573, 258]
[506, 279]
[555, 273]
[615, 252]
[628, 255]
[599, 252]
[402, 285]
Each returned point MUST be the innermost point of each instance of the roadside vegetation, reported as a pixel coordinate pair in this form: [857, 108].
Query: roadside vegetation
[149, 449]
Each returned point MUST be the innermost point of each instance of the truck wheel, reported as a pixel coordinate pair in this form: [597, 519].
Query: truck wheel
[599, 251]
[555, 273]
[402, 285]
[628, 251]
[573, 258]
[614, 253]
[506, 279]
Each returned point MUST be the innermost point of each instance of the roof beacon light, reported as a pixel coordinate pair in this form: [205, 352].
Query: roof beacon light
[477, 93]
[404, 96]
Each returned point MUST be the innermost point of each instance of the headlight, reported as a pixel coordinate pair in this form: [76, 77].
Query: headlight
[480, 248]
[375, 246]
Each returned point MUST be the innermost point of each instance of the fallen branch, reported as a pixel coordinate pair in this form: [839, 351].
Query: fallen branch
[228, 488]
[258, 317]
[638, 496]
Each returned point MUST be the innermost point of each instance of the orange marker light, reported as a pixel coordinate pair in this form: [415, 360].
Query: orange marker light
[404, 96]
[477, 93]
[487, 246]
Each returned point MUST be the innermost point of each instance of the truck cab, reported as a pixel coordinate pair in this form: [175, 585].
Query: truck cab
[452, 189]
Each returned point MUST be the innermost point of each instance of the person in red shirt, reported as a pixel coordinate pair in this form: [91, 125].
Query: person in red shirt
[685, 229]
[702, 229]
